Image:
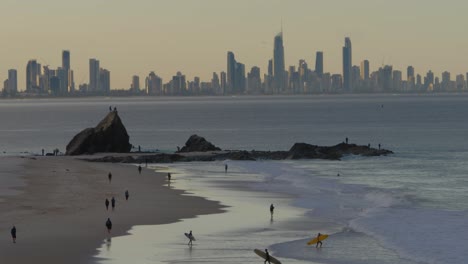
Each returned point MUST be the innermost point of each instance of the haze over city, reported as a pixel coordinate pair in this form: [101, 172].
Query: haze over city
[142, 36]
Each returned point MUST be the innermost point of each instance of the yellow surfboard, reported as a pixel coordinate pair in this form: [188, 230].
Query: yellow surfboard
[315, 240]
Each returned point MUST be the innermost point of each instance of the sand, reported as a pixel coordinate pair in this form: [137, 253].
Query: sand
[60, 214]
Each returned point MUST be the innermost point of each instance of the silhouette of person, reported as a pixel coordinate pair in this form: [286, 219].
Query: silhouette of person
[272, 208]
[318, 240]
[115, 109]
[13, 234]
[110, 108]
[169, 176]
[139, 169]
[190, 238]
[379, 146]
[346, 140]
[109, 176]
[113, 203]
[126, 195]
[267, 256]
[225, 168]
[107, 204]
[109, 225]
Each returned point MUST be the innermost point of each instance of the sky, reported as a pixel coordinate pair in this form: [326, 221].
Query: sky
[193, 36]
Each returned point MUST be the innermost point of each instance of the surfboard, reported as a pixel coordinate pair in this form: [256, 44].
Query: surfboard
[262, 254]
[315, 240]
[188, 236]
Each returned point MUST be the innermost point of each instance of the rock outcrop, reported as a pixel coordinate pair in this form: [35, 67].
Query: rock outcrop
[109, 135]
[198, 144]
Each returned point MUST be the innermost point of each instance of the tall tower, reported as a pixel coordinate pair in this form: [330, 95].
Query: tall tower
[347, 66]
[12, 81]
[279, 79]
[33, 72]
[66, 60]
[94, 75]
[231, 72]
[319, 63]
[365, 70]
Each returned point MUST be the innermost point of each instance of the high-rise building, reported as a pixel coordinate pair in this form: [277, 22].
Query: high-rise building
[215, 84]
[279, 78]
[33, 72]
[12, 81]
[66, 59]
[135, 84]
[347, 66]
[397, 81]
[231, 72]
[319, 63]
[104, 79]
[68, 82]
[94, 74]
[240, 79]
[179, 85]
[387, 78]
[254, 81]
[153, 84]
[223, 82]
[365, 70]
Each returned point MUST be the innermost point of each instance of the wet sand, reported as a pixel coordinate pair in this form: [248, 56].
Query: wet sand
[60, 213]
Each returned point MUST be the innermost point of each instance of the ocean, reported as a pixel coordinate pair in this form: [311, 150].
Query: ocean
[409, 207]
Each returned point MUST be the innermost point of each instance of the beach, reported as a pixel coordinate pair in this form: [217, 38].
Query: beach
[57, 206]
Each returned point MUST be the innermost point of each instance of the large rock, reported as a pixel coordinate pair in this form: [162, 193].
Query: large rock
[198, 144]
[109, 135]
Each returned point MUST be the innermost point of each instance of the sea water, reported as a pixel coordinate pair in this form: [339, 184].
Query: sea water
[409, 207]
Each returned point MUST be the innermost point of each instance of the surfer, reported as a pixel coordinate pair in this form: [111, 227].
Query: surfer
[107, 204]
[139, 169]
[109, 176]
[13, 234]
[109, 225]
[267, 256]
[272, 208]
[126, 195]
[318, 241]
[190, 236]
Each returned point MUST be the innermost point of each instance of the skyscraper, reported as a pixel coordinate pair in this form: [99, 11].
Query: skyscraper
[347, 66]
[33, 72]
[279, 79]
[135, 84]
[12, 81]
[365, 70]
[94, 73]
[223, 82]
[231, 72]
[104, 79]
[319, 63]
[66, 60]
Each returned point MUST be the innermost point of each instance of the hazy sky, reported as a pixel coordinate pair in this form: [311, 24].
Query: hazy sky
[193, 36]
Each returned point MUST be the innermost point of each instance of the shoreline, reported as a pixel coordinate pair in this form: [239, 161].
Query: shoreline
[60, 212]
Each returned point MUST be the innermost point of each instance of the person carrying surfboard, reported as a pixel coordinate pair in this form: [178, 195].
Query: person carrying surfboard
[267, 257]
[318, 241]
[190, 236]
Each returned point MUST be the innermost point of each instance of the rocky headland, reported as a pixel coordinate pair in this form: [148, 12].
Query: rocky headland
[198, 144]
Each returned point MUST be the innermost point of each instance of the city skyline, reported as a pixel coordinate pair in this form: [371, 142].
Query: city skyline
[194, 39]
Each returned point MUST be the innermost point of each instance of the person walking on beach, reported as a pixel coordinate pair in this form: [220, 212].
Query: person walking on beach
[190, 236]
[109, 225]
[126, 195]
[139, 169]
[113, 203]
[107, 204]
[267, 256]
[225, 168]
[109, 176]
[318, 241]
[272, 208]
[169, 176]
[13, 234]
